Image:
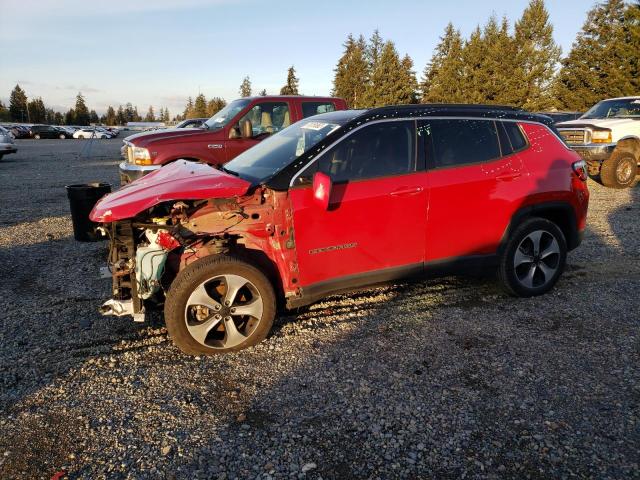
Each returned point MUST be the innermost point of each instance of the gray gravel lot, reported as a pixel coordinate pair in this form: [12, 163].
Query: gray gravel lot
[443, 378]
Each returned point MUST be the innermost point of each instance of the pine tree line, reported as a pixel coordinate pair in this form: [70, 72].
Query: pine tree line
[499, 65]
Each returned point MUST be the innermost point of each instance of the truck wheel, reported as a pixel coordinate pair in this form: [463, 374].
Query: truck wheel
[219, 304]
[619, 170]
[533, 258]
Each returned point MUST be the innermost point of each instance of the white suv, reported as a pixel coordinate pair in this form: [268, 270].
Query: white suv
[608, 138]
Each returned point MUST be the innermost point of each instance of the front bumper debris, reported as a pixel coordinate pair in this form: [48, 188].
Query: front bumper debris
[121, 308]
[594, 155]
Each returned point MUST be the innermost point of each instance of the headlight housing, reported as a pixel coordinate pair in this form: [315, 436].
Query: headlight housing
[141, 156]
[601, 136]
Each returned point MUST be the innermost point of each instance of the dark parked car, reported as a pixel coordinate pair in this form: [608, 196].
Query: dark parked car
[19, 131]
[340, 201]
[558, 117]
[45, 131]
[192, 123]
[63, 132]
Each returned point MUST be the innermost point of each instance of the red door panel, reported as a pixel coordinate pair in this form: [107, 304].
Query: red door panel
[471, 206]
[370, 225]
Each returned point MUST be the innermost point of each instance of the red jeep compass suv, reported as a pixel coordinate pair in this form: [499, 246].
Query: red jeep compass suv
[340, 201]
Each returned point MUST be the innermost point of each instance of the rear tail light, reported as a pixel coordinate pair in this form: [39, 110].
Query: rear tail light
[580, 169]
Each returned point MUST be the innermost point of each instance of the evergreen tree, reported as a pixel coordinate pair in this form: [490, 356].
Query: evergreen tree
[121, 118]
[441, 81]
[215, 105]
[166, 117]
[129, 113]
[537, 56]
[188, 109]
[58, 118]
[245, 87]
[374, 49]
[37, 111]
[291, 88]
[18, 105]
[352, 72]
[81, 111]
[632, 26]
[136, 115]
[263, 92]
[151, 115]
[490, 71]
[110, 117]
[5, 115]
[199, 107]
[388, 86]
[70, 117]
[603, 61]
[93, 117]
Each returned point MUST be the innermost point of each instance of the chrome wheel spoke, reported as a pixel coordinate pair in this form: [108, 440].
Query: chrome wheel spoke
[233, 283]
[253, 309]
[200, 331]
[535, 239]
[528, 279]
[547, 271]
[232, 334]
[553, 249]
[521, 258]
[201, 297]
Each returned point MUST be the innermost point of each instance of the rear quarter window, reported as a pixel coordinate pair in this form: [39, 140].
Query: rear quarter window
[315, 108]
[516, 137]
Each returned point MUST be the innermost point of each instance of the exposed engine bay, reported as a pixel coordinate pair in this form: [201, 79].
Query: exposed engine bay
[147, 252]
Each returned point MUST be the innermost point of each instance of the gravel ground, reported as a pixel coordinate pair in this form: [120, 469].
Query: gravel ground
[443, 378]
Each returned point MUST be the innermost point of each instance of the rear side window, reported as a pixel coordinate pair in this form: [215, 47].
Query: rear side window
[516, 137]
[314, 108]
[450, 143]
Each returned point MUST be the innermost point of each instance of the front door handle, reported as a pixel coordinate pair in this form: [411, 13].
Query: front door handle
[403, 191]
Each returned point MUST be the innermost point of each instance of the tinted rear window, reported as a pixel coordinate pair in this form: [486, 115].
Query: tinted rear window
[450, 143]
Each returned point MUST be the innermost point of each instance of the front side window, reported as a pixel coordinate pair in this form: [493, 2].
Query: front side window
[377, 150]
[621, 108]
[315, 108]
[268, 118]
[450, 143]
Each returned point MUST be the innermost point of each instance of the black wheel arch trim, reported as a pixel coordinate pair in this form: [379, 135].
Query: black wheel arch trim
[569, 226]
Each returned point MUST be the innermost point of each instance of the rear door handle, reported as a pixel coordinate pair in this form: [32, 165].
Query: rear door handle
[406, 191]
[508, 177]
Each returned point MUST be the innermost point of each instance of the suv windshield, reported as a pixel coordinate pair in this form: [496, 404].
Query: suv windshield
[224, 116]
[629, 107]
[261, 162]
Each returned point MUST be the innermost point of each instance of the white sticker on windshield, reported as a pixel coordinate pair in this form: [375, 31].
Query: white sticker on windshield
[636, 101]
[314, 126]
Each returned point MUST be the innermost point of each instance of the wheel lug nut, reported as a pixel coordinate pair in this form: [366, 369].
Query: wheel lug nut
[227, 318]
[227, 303]
[233, 310]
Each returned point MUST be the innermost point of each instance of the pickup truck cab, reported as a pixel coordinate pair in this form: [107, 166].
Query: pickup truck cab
[237, 127]
[607, 137]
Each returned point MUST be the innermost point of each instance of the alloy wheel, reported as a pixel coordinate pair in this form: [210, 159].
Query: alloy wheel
[536, 259]
[224, 311]
[624, 171]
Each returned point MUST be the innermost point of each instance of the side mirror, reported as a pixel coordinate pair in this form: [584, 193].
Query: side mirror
[322, 185]
[234, 132]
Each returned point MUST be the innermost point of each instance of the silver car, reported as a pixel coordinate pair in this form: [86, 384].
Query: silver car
[7, 145]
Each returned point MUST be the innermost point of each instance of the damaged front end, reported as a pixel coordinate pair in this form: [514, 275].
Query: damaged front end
[178, 227]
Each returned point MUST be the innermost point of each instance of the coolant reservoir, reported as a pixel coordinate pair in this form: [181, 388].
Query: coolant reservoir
[150, 263]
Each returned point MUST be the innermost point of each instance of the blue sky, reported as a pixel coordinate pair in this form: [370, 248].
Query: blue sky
[158, 52]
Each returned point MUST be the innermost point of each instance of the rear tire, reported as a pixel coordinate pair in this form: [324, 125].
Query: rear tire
[196, 313]
[619, 170]
[36, 136]
[533, 259]
[61, 136]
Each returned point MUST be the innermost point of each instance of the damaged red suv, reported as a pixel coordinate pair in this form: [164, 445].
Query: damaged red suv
[337, 202]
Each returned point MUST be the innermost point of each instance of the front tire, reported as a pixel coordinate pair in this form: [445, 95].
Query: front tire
[533, 259]
[219, 304]
[619, 170]
[36, 136]
[61, 136]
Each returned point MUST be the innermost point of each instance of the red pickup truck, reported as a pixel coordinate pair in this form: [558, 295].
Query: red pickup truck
[237, 127]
